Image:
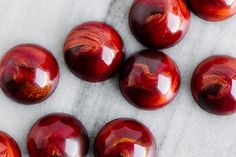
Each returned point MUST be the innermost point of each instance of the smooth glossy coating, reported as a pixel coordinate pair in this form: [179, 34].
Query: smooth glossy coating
[93, 51]
[28, 73]
[58, 135]
[213, 10]
[149, 80]
[125, 138]
[8, 146]
[214, 85]
[159, 23]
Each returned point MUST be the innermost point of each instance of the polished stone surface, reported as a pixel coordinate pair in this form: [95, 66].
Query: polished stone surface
[181, 128]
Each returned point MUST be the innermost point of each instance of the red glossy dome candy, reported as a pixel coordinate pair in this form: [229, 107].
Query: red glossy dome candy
[213, 10]
[125, 137]
[93, 51]
[214, 85]
[150, 80]
[8, 146]
[58, 135]
[28, 73]
[159, 23]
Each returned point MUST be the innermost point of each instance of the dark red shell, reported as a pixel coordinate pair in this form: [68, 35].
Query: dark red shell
[8, 146]
[214, 85]
[150, 80]
[58, 135]
[28, 73]
[159, 23]
[125, 138]
[94, 51]
[213, 10]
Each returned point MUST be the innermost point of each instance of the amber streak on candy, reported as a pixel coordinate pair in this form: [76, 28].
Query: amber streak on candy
[214, 85]
[125, 137]
[159, 23]
[58, 135]
[28, 73]
[149, 80]
[8, 146]
[93, 51]
[213, 10]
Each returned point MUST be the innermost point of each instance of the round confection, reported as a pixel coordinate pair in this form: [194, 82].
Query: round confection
[125, 137]
[159, 23]
[214, 85]
[94, 51]
[58, 135]
[213, 10]
[28, 73]
[149, 80]
[8, 146]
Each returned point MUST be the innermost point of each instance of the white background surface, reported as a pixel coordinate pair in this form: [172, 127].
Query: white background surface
[181, 129]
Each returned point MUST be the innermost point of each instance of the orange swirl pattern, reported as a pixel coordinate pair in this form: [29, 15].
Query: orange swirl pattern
[214, 85]
[93, 51]
[125, 137]
[149, 80]
[159, 23]
[58, 135]
[213, 10]
[28, 73]
[8, 146]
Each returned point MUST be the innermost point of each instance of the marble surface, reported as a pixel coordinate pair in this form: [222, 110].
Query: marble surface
[181, 129]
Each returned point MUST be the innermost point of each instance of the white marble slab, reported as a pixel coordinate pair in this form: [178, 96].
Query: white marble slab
[181, 129]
